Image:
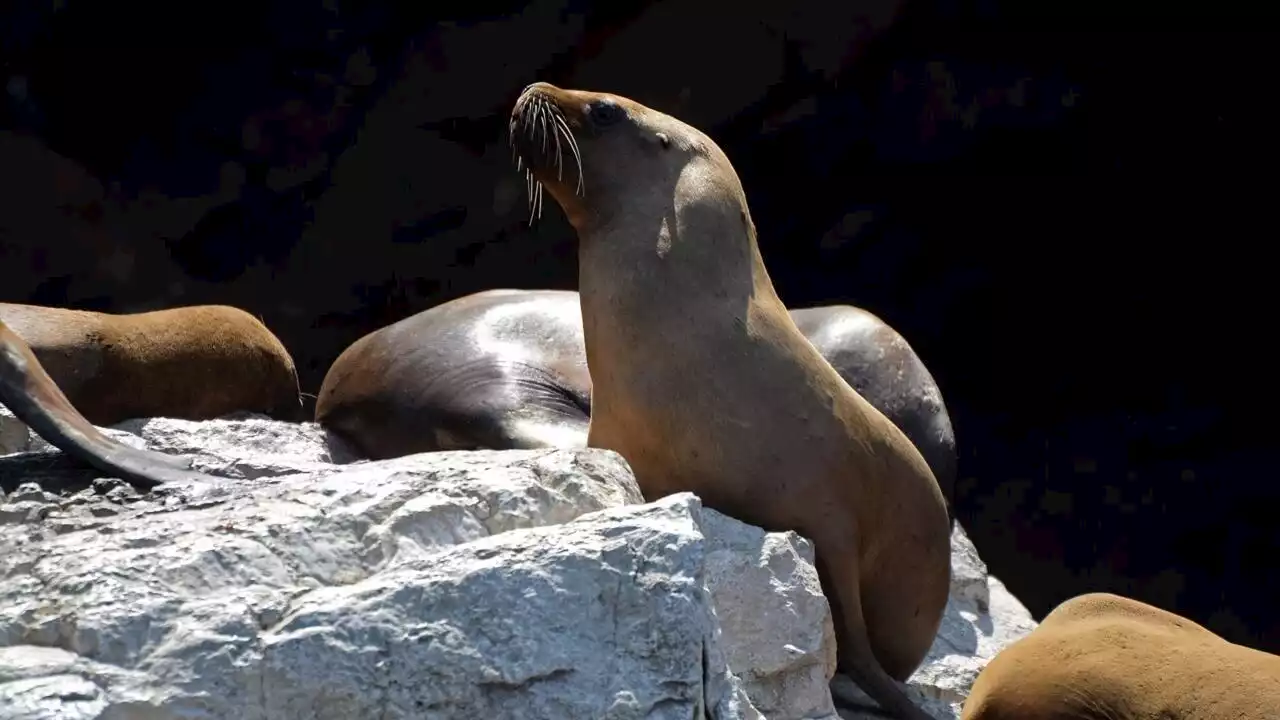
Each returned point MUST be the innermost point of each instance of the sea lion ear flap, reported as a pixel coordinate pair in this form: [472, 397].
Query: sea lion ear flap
[666, 141]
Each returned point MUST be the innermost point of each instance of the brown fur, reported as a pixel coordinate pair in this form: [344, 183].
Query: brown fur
[702, 381]
[28, 391]
[1106, 657]
[194, 363]
[879, 363]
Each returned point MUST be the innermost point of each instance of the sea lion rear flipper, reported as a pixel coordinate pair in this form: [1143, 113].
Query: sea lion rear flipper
[853, 645]
[28, 391]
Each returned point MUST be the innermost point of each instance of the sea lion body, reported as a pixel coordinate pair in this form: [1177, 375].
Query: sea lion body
[193, 363]
[35, 399]
[1106, 657]
[879, 363]
[703, 383]
[500, 369]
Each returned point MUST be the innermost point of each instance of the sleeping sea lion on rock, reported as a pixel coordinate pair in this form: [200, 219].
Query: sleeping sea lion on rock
[192, 363]
[1106, 657]
[507, 369]
[35, 399]
[702, 381]
[497, 370]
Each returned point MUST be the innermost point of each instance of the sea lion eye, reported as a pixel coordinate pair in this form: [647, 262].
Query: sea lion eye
[605, 112]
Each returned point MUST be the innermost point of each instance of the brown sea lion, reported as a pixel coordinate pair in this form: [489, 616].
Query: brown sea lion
[701, 380]
[1105, 657]
[35, 399]
[507, 369]
[193, 363]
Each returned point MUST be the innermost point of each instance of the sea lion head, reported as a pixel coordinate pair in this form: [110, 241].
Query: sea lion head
[601, 155]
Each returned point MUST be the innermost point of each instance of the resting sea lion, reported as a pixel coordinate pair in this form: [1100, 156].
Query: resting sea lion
[507, 369]
[193, 363]
[701, 380]
[1105, 657]
[500, 370]
[31, 395]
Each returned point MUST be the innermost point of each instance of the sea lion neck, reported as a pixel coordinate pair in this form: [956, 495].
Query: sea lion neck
[693, 238]
[649, 278]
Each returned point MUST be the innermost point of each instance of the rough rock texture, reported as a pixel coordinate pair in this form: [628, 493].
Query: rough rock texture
[14, 436]
[786, 679]
[485, 584]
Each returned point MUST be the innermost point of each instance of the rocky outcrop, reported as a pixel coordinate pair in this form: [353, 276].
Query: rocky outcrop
[466, 584]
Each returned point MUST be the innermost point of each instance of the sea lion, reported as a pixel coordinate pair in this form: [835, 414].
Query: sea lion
[499, 369]
[1106, 657]
[193, 363]
[31, 395]
[879, 363]
[507, 369]
[703, 383]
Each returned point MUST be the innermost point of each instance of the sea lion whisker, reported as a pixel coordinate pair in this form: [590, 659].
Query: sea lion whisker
[563, 127]
[555, 134]
[528, 126]
[542, 125]
[512, 128]
[527, 116]
[541, 119]
[535, 196]
[534, 115]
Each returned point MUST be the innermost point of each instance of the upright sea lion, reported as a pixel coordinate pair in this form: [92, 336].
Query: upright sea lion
[507, 369]
[31, 395]
[1105, 657]
[193, 363]
[500, 369]
[702, 381]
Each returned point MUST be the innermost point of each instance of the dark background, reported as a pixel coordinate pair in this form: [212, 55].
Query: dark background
[1065, 207]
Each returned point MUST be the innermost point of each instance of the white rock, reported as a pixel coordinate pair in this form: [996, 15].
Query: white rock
[605, 617]
[787, 679]
[14, 435]
[244, 446]
[169, 607]
[485, 584]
